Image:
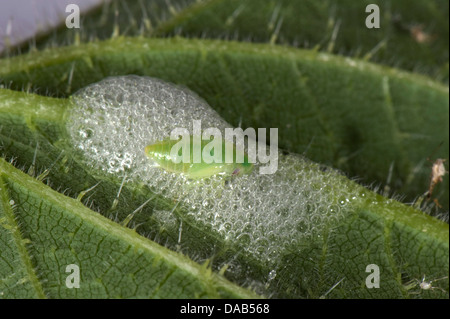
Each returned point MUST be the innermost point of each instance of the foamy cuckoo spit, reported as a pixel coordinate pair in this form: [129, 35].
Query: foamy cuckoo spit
[112, 122]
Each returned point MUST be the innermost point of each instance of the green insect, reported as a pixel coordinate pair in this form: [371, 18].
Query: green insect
[161, 153]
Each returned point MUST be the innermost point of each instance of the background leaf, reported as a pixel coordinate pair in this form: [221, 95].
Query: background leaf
[413, 34]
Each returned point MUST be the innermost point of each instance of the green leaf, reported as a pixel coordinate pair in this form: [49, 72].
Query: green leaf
[373, 123]
[405, 243]
[413, 35]
[42, 232]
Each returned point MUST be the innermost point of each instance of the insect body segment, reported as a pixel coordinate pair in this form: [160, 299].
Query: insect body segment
[162, 154]
[424, 285]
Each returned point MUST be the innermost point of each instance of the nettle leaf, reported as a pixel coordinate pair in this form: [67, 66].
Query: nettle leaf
[44, 233]
[340, 100]
[373, 123]
[412, 35]
[406, 40]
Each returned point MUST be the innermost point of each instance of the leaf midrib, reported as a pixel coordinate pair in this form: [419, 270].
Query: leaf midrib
[93, 49]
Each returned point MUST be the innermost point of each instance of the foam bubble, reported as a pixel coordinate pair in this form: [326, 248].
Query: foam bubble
[112, 121]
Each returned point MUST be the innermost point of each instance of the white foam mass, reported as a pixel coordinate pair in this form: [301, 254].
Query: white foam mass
[112, 121]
